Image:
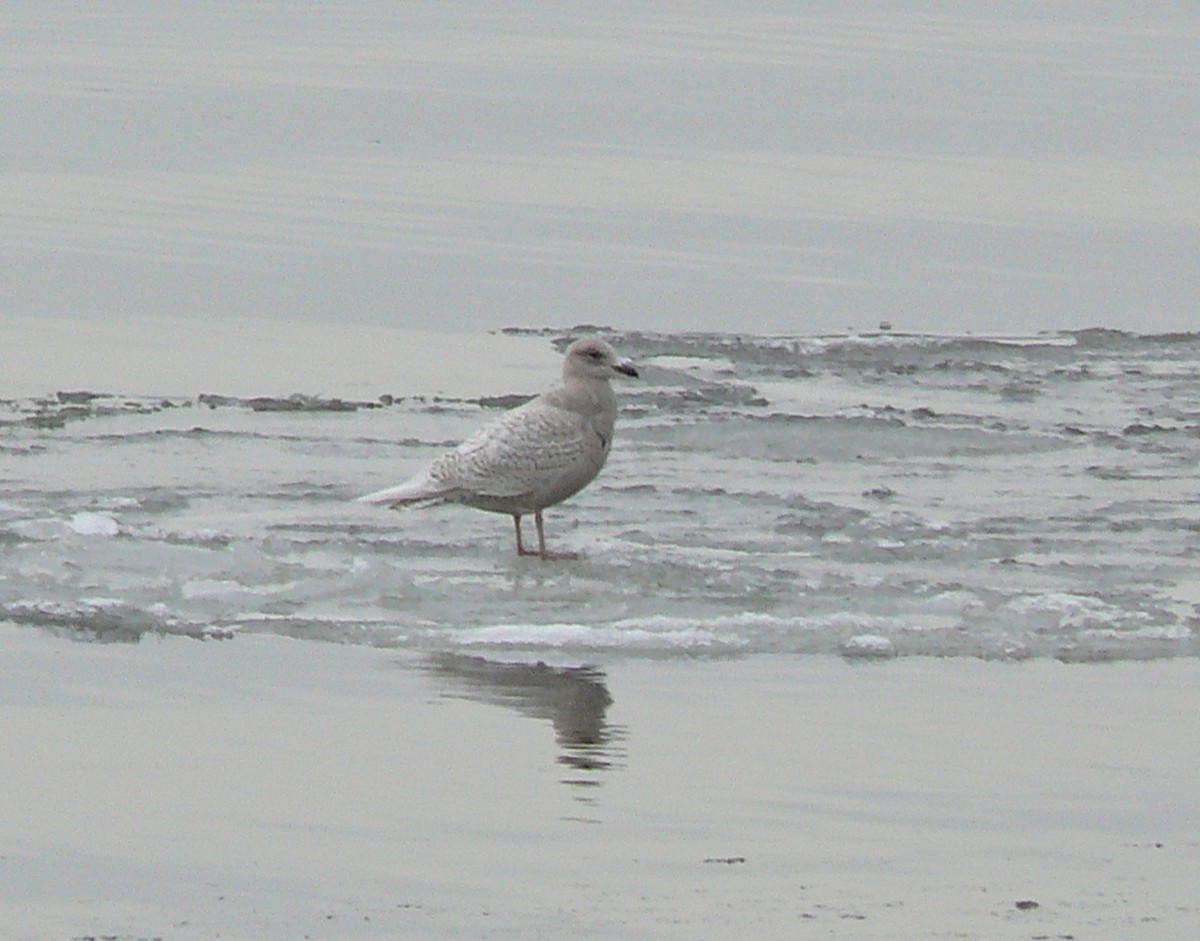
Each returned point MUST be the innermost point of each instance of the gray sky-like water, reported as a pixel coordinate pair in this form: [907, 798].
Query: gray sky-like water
[743, 167]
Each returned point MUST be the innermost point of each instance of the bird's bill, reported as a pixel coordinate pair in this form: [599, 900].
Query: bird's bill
[625, 367]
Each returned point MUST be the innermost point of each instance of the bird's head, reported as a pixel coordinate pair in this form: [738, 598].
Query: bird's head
[591, 357]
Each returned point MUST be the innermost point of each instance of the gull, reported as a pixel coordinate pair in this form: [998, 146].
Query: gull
[531, 457]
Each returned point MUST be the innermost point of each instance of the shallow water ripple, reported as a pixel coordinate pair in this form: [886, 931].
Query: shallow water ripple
[871, 496]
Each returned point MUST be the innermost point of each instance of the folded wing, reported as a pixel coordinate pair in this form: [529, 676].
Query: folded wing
[525, 460]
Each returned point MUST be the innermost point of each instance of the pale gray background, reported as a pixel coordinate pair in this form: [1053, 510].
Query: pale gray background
[742, 167]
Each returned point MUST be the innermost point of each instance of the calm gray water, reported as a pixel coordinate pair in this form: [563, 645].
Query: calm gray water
[697, 178]
[729, 167]
[873, 495]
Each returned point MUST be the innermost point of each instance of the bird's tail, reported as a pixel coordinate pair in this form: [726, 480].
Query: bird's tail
[416, 492]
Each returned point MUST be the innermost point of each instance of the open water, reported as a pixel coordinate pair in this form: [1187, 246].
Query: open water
[714, 182]
[870, 495]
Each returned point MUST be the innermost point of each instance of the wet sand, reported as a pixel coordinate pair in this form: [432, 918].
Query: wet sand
[263, 788]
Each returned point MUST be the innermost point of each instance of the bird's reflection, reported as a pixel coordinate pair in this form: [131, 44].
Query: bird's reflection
[574, 699]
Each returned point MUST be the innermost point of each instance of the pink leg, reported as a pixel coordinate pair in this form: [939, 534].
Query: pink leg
[521, 550]
[537, 518]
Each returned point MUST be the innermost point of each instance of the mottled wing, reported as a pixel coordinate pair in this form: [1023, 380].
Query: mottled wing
[532, 452]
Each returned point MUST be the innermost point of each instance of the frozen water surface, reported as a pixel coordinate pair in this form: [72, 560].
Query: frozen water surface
[871, 496]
